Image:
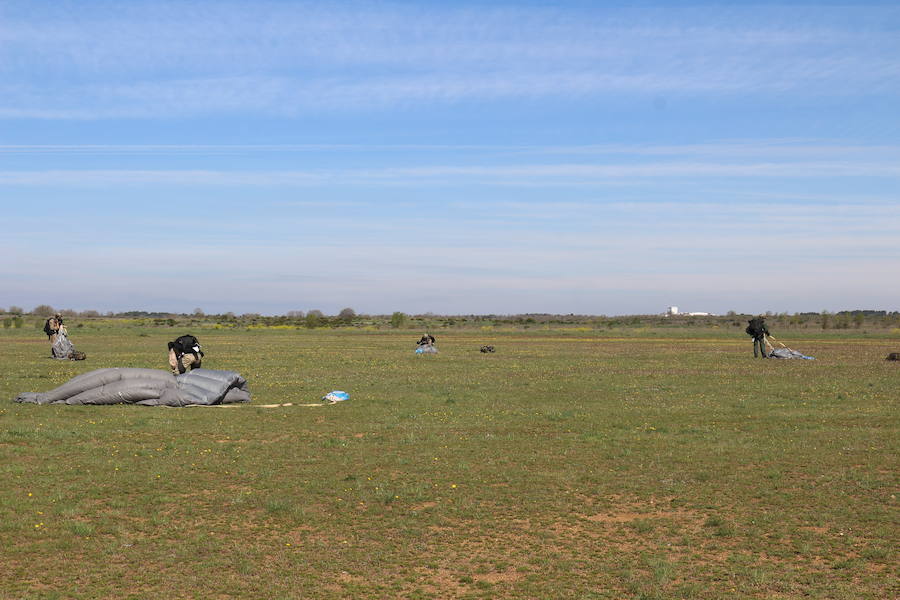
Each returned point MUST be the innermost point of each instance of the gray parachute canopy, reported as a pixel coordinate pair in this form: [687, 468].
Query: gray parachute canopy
[63, 347]
[788, 353]
[148, 387]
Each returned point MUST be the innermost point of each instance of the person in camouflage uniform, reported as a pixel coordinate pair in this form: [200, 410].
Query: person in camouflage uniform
[52, 327]
[758, 330]
[184, 354]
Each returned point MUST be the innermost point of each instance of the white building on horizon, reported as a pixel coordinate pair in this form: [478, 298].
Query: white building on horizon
[673, 310]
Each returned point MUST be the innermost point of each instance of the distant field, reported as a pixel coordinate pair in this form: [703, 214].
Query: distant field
[570, 464]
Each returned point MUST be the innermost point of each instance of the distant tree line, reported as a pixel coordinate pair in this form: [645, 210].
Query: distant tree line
[348, 317]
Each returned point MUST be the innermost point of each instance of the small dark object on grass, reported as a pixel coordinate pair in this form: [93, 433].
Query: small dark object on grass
[77, 355]
[893, 356]
[486, 349]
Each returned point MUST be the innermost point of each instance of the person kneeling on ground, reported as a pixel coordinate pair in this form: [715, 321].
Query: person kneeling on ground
[426, 340]
[184, 353]
[52, 327]
[758, 330]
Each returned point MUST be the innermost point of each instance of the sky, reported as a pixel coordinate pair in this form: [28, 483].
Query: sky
[450, 157]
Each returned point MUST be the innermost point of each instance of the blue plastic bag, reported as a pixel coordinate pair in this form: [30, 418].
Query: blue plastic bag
[336, 396]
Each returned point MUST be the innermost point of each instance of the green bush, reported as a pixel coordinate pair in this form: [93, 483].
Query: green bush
[397, 320]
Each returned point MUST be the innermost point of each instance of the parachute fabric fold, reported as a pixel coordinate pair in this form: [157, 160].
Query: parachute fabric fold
[148, 387]
[63, 347]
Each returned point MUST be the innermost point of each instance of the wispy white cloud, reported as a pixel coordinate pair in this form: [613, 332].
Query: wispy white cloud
[169, 59]
[747, 153]
[168, 177]
[525, 174]
[588, 172]
[780, 147]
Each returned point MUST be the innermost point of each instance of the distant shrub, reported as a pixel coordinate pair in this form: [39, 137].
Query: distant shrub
[43, 310]
[314, 318]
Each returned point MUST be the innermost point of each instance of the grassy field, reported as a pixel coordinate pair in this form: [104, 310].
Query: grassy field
[571, 464]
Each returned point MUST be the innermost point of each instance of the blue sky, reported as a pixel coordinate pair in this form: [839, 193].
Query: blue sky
[464, 157]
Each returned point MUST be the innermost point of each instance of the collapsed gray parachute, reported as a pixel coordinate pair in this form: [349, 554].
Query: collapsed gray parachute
[788, 353]
[148, 387]
[63, 347]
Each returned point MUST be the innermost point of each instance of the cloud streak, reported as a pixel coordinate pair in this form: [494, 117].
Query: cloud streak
[529, 174]
[153, 60]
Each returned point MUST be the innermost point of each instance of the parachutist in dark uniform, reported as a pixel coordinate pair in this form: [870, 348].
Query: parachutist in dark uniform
[52, 327]
[758, 330]
[184, 354]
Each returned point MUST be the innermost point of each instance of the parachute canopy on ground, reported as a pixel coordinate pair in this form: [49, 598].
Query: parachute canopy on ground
[788, 353]
[63, 348]
[148, 387]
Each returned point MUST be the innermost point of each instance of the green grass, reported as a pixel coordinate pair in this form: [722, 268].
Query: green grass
[566, 465]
